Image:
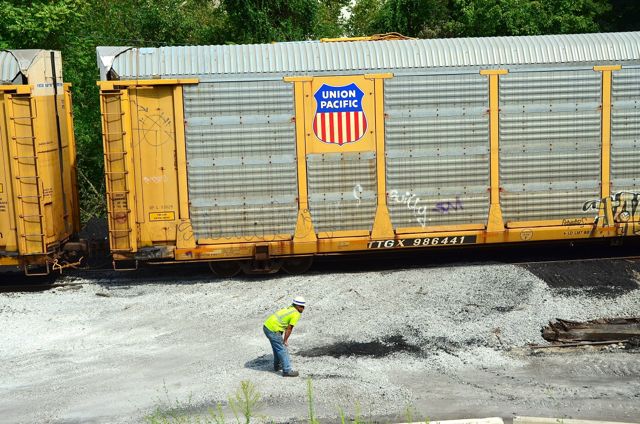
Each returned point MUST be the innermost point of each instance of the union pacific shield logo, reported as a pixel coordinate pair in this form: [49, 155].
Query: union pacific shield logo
[339, 116]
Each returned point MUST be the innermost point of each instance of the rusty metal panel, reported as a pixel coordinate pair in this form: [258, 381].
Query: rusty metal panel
[625, 131]
[550, 144]
[342, 190]
[241, 159]
[437, 148]
[317, 57]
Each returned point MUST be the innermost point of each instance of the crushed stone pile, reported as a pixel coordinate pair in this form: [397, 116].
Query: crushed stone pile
[110, 350]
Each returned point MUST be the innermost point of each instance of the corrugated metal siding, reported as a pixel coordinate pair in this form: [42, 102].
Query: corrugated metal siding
[314, 57]
[342, 190]
[550, 144]
[9, 67]
[241, 159]
[437, 147]
[625, 131]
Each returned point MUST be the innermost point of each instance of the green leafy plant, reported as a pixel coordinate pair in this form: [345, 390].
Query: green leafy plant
[245, 401]
[312, 417]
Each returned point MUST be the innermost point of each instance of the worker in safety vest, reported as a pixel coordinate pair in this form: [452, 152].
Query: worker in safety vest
[283, 321]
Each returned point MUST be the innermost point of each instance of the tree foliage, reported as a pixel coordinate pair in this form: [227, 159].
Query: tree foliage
[76, 27]
[413, 18]
[264, 21]
[527, 17]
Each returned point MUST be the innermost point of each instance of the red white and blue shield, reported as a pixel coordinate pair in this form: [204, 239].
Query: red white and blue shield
[339, 117]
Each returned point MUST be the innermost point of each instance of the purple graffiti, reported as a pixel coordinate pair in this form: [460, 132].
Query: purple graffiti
[445, 207]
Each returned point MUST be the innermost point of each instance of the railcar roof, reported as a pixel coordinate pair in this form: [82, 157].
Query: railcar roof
[305, 57]
[9, 67]
[14, 63]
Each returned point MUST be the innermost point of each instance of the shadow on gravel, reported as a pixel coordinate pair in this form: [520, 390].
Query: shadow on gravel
[175, 273]
[611, 277]
[261, 363]
[375, 349]
[18, 282]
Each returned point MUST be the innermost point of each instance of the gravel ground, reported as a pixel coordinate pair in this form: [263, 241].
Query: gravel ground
[449, 342]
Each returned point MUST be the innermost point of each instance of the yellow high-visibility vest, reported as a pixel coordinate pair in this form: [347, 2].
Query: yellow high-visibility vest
[282, 319]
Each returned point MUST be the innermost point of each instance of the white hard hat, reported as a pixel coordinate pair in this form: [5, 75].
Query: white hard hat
[299, 300]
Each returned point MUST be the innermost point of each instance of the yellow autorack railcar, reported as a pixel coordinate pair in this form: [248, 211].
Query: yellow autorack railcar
[39, 209]
[258, 156]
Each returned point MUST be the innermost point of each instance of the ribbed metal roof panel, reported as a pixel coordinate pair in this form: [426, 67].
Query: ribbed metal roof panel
[9, 67]
[314, 56]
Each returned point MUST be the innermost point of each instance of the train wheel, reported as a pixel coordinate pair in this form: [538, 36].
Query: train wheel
[298, 265]
[225, 269]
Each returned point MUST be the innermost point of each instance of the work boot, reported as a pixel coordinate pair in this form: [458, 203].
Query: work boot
[290, 374]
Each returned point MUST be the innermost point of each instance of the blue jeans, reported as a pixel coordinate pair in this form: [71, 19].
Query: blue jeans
[280, 354]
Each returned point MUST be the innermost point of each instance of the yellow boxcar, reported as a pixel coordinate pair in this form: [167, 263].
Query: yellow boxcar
[38, 199]
[255, 157]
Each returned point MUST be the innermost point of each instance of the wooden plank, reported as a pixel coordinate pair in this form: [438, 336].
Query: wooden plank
[592, 331]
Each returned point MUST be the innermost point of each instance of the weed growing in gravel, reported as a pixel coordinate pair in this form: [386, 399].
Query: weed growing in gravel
[409, 413]
[245, 401]
[312, 418]
[343, 418]
[243, 405]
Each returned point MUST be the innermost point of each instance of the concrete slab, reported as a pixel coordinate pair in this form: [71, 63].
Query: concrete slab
[540, 420]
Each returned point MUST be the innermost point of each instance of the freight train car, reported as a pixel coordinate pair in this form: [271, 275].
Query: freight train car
[259, 156]
[39, 210]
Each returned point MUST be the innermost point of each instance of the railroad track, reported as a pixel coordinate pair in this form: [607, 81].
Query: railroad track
[379, 261]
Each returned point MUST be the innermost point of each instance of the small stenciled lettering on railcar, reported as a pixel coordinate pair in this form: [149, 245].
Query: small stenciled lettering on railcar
[339, 117]
[162, 216]
[420, 242]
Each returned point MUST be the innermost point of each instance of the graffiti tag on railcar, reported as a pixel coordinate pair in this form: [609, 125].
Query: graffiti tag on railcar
[420, 242]
[625, 206]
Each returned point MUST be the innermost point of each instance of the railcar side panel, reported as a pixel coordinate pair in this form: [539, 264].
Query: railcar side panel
[625, 149]
[550, 144]
[341, 154]
[437, 150]
[241, 157]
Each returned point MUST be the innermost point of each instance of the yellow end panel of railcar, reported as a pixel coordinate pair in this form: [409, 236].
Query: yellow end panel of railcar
[8, 241]
[38, 172]
[114, 106]
[153, 135]
[71, 157]
[55, 168]
[26, 170]
[37, 209]
[145, 168]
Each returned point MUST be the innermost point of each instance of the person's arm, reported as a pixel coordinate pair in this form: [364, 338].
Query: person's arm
[287, 333]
